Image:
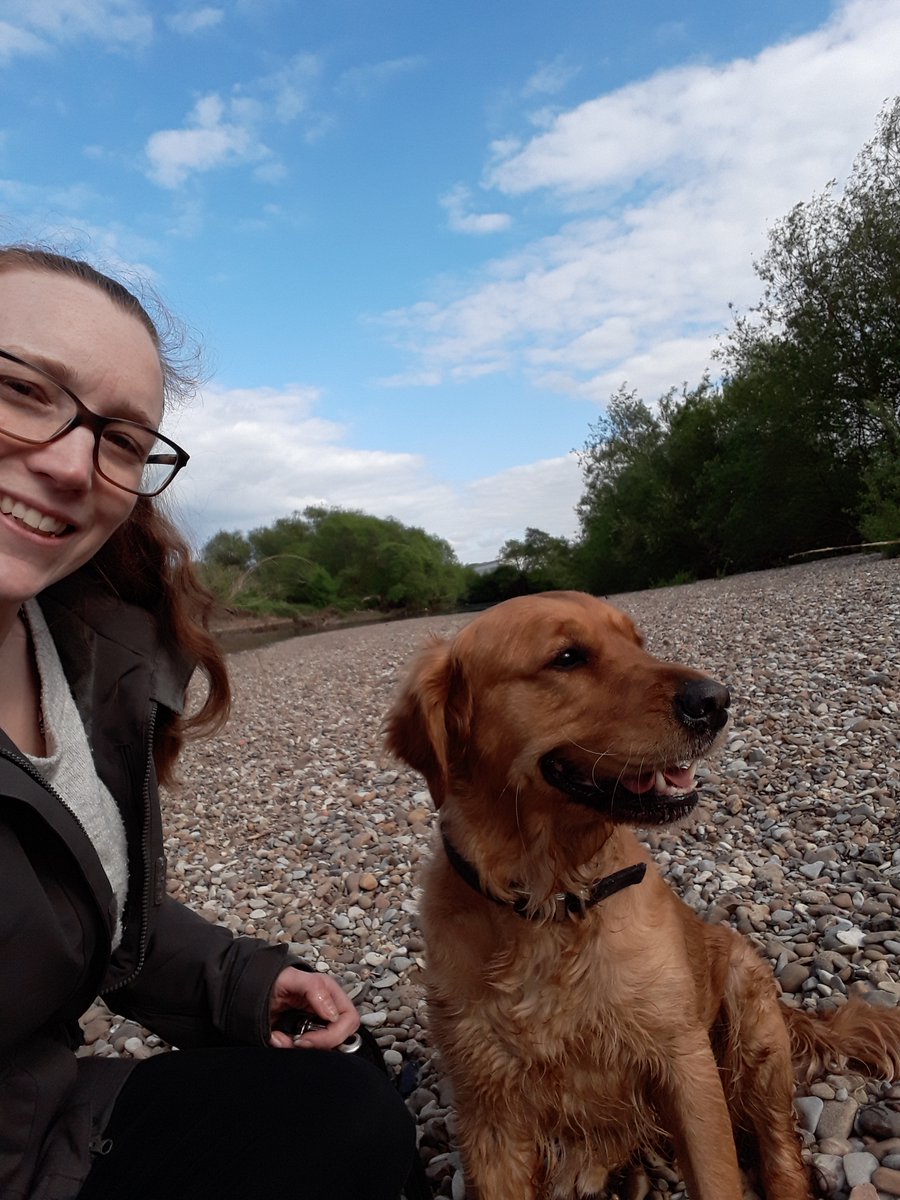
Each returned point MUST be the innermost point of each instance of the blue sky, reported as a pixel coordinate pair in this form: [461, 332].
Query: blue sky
[422, 243]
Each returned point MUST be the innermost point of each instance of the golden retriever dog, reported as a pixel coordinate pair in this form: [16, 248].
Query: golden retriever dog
[585, 1014]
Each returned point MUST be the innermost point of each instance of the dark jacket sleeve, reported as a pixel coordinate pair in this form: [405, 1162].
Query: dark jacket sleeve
[201, 986]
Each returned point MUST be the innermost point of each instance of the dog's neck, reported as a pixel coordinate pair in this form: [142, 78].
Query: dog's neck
[565, 905]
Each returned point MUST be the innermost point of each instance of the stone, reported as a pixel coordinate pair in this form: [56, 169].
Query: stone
[887, 1180]
[837, 1118]
[879, 1121]
[809, 1111]
[858, 1167]
[839, 1146]
[793, 977]
[829, 1169]
[864, 1191]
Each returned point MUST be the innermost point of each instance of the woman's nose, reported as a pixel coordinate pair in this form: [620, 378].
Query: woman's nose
[69, 461]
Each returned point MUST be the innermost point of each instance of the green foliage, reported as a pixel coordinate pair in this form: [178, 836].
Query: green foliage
[228, 550]
[881, 502]
[504, 582]
[333, 558]
[644, 512]
[546, 562]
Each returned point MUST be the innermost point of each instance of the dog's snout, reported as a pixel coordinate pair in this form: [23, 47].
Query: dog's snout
[702, 702]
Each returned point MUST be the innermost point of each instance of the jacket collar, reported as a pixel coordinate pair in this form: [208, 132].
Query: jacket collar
[88, 621]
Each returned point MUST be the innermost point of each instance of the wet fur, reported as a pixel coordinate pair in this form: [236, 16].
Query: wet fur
[575, 1046]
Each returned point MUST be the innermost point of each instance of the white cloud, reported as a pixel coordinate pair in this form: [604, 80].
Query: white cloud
[15, 40]
[217, 135]
[36, 26]
[288, 89]
[456, 203]
[260, 453]
[228, 132]
[195, 20]
[412, 379]
[364, 81]
[663, 192]
[550, 78]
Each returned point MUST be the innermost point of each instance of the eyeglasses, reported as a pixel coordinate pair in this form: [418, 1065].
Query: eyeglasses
[36, 408]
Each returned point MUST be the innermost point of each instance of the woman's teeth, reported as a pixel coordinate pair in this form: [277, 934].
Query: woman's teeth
[37, 521]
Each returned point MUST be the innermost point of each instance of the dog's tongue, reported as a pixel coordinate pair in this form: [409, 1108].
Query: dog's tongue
[679, 778]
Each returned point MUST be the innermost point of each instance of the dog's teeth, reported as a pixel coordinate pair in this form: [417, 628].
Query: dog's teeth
[660, 784]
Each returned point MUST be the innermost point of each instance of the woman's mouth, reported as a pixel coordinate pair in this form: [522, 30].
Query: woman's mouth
[32, 518]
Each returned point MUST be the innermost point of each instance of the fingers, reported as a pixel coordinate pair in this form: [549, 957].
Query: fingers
[323, 1003]
[331, 1036]
[320, 995]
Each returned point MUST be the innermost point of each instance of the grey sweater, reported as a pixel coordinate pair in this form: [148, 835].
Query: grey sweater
[69, 767]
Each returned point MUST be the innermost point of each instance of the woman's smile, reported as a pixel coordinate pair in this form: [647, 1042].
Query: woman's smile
[34, 519]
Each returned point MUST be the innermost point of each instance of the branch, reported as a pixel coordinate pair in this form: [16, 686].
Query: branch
[858, 546]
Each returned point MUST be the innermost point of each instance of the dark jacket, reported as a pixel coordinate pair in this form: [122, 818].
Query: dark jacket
[191, 982]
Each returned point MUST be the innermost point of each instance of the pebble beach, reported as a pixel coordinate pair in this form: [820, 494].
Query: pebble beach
[294, 825]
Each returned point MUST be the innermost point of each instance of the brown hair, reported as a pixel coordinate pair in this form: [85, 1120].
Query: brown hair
[147, 561]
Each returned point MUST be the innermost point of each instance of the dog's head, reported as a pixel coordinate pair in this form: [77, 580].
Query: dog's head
[556, 694]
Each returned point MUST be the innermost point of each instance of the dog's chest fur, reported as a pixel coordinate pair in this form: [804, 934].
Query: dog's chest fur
[569, 1003]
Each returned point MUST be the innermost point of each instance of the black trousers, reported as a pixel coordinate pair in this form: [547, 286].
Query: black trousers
[244, 1123]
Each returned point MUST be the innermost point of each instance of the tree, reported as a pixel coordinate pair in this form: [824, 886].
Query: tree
[228, 550]
[643, 511]
[546, 561]
[831, 306]
[325, 557]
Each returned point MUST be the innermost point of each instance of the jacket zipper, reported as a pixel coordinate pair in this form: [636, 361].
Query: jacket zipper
[145, 853]
[29, 768]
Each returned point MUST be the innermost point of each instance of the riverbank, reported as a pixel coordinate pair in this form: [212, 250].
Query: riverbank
[293, 824]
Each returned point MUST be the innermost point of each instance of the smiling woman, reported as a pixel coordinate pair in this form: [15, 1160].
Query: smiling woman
[102, 624]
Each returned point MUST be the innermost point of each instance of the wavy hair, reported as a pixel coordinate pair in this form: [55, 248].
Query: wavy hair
[147, 562]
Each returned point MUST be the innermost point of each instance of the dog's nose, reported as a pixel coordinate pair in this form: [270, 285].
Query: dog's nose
[703, 703]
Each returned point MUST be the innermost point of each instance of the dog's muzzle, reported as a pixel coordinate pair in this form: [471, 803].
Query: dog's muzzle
[655, 797]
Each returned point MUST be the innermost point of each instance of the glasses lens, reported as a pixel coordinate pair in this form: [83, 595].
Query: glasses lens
[32, 406]
[35, 408]
[135, 458]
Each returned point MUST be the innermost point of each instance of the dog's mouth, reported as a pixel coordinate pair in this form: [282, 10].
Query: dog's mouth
[655, 796]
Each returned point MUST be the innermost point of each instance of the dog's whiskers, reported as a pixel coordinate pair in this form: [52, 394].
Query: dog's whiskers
[600, 753]
[518, 823]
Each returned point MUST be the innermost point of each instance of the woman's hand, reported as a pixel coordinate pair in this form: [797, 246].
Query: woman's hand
[320, 995]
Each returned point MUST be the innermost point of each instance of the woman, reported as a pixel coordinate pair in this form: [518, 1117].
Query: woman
[101, 627]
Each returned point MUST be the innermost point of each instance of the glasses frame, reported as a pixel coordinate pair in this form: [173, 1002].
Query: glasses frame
[96, 424]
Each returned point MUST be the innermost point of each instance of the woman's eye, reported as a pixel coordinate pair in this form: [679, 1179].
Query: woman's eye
[21, 391]
[124, 445]
[571, 656]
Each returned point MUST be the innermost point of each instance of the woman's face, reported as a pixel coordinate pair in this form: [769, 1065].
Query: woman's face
[108, 359]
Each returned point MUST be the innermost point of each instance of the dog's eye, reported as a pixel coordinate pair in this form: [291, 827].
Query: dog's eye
[571, 656]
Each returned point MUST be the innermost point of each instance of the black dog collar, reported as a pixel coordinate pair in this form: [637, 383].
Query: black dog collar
[568, 904]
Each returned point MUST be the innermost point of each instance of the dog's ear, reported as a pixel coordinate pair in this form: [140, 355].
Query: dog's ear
[430, 716]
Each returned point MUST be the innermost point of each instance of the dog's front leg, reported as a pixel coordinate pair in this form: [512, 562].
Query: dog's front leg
[501, 1160]
[697, 1117]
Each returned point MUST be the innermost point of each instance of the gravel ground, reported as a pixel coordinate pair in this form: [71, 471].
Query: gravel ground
[293, 825]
